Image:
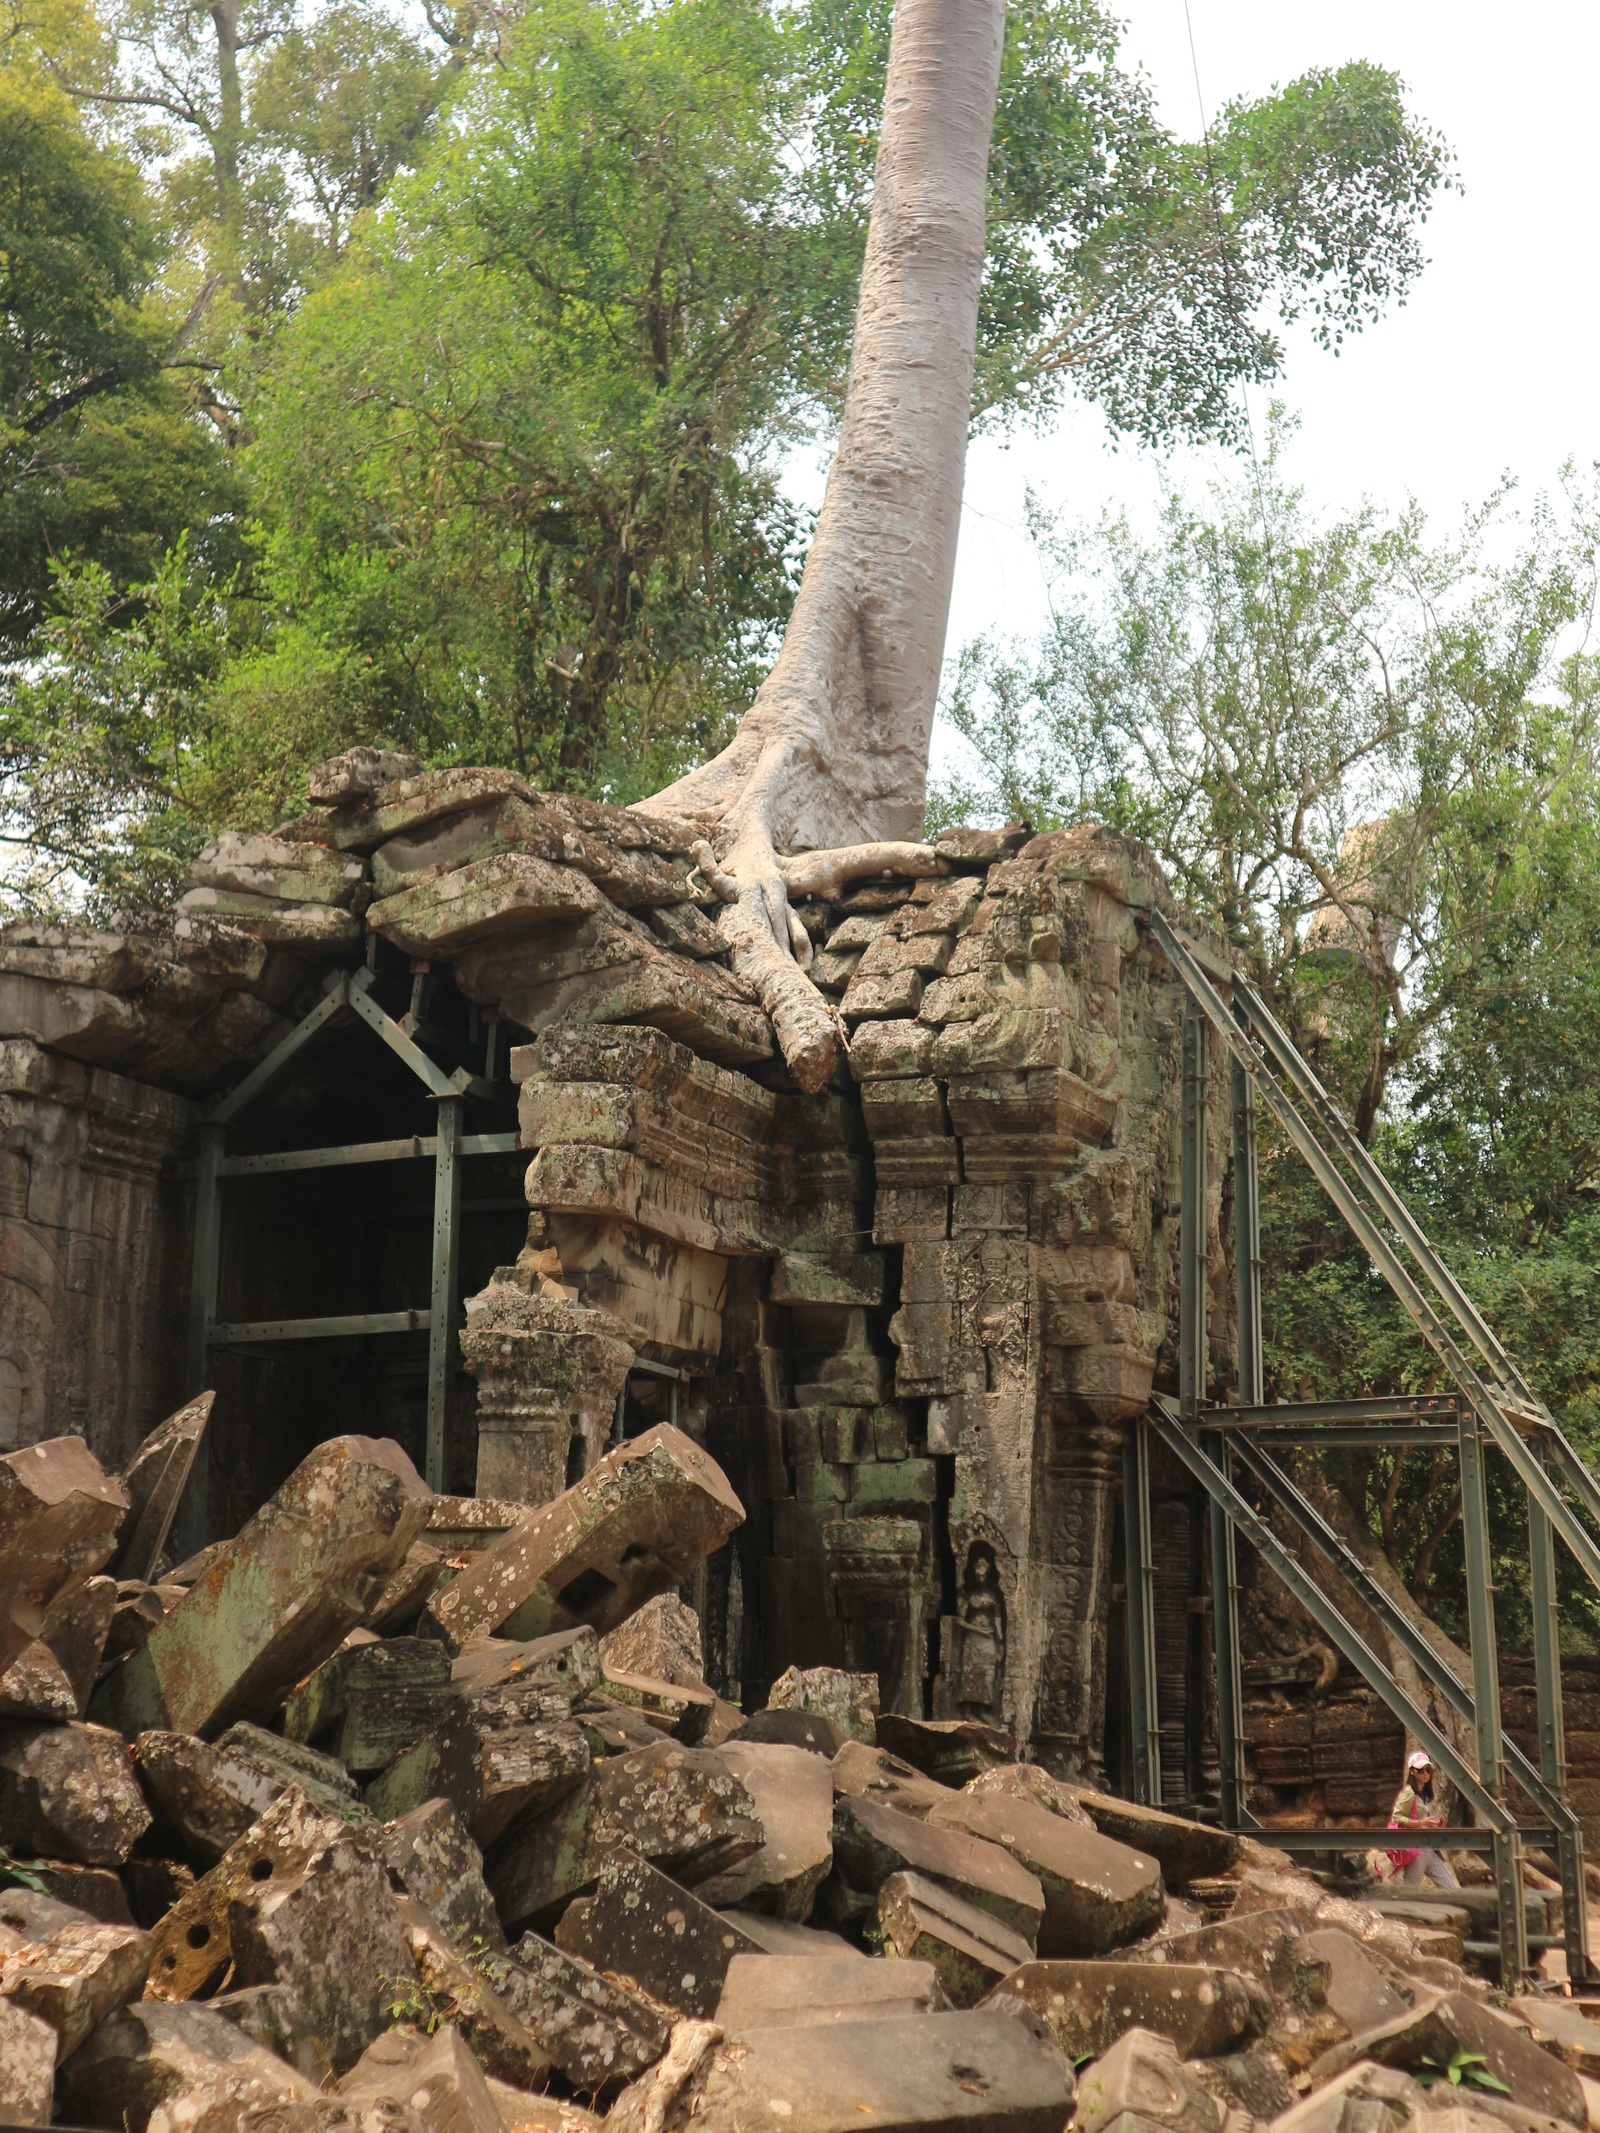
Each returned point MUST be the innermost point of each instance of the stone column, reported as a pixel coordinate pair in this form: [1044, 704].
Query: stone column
[1081, 1467]
[548, 1374]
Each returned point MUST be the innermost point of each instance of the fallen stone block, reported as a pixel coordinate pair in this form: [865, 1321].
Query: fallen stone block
[640, 1925]
[538, 1867]
[849, 1700]
[147, 2054]
[398, 1606]
[248, 863]
[804, 1991]
[36, 1685]
[953, 1750]
[433, 1855]
[1143, 2083]
[614, 1728]
[638, 1522]
[436, 2076]
[273, 1605]
[568, 1663]
[508, 894]
[1098, 1894]
[269, 2015]
[1457, 2118]
[1088, 2006]
[59, 1514]
[989, 2070]
[1365, 2098]
[465, 1994]
[663, 1640]
[27, 2066]
[446, 1763]
[74, 1631]
[593, 2030]
[874, 1774]
[1442, 2025]
[153, 1481]
[1357, 1993]
[682, 1711]
[683, 1809]
[1254, 2081]
[1185, 1851]
[792, 1729]
[778, 1936]
[207, 1794]
[524, 1770]
[371, 1699]
[1270, 1946]
[1573, 2037]
[871, 1842]
[1026, 1781]
[792, 1792]
[74, 1973]
[969, 1950]
[96, 1891]
[68, 1791]
[541, 2114]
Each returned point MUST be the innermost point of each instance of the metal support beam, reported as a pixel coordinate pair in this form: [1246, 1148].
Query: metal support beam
[411, 1149]
[251, 1333]
[1553, 1738]
[1225, 1638]
[229, 1106]
[1141, 1575]
[1479, 1565]
[1247, 1237]
[1192, 1217]
[194, 1513]
[1289, 1414]
[441, 1317]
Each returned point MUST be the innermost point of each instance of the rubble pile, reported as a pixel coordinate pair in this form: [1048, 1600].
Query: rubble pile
[335, 1826]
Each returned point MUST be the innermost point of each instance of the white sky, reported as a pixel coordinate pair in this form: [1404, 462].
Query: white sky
[1489, 368]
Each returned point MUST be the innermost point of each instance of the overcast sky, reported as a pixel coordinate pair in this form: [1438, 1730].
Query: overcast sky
[1490, 367]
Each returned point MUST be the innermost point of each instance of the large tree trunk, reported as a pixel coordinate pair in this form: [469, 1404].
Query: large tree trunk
[834, 750]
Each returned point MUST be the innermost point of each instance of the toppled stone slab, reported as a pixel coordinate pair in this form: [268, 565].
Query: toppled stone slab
[871, 1842]
[36, 1685]
[491, 899]
[568, 1663]
[360, 1702]
[1254, 2081]
[683, 1809]
[1441, 2025]
[778, 1936]
[1026, 1781]
[1270, 1946]
[850, 1701]
[154, 1481]
[1142, 2081]
[792, 1794]
[792, 1729]
[433, 1855]
[662, 1640]
[537, 1868]
[465, 1993]
[208, 1794]
[148, 2054]
[275, 1603]
[1574, 2038]
[1088, 2006]
[683, 1711]
[58, 1669]
[645, 1927]
[1098, 1894]
[804, 1991]
[437, 2077]
[988, 2069]
[638, 1522]
[969, 1950]
[249, 864]
[70, 1971]
[953, 1750]
[1365, 2098]
[1357, 1993]
[860, 1772]
[591, 2027]
[1185, 1851]
[27, 2066]
[68, 1792]
[59, 1516]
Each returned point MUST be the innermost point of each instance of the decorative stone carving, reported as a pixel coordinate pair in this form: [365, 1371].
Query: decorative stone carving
[548, 1373]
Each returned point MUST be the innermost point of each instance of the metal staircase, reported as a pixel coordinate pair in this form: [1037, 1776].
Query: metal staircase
[1491, 1405]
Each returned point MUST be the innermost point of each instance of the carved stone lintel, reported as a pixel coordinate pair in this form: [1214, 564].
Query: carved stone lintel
[548, 1374]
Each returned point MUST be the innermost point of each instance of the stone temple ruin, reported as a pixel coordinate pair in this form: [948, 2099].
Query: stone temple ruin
[909, 1316]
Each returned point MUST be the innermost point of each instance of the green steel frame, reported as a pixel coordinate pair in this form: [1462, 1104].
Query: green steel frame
[1491, 1404]
[448, 1147]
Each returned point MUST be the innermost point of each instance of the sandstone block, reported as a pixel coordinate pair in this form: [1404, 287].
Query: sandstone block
[1026, 1781]
[871, 1842]
[308, 929]
[1142, 2081]
[1098, 1894]
[434, 1857]
[793, 1729]
[645, 1927]
[682, 1809]
[1185, 1851]
[1088, 2006]
[792, 1794]
[943, 2073]
[537, 1868]
[684, 1712]
[465, 1993]
[1439, 2026]
[953, 1750]
[637, 1523]
[1270, 1946]
[662, 1640]
[207, 1795]
[68, 1792]
[1574, 2038]
[36, 1685]
[27, 2066]
[850, 1701]
[591, 2027]
[59, 1514]
[273, 1605]
[969, 1950]
[148, 2054]
[875, 1774]
[436, 2076]
[74, 1974]
[73, 1633]
[1357, 1993]
[358, 773]
[253, 865]
[1365, 2098]
[806, 1991]
[154, 1481]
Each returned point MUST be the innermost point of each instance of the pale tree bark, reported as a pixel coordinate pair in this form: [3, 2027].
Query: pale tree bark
[832, 756]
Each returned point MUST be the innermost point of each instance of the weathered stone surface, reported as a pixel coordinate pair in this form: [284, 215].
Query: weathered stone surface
[1098, 1894]
[36, 1685]
[407, 1592]
[969, 1950]
[661, 1640]
[490, 899]
[433, 1855]
[538, 1867]
[436, 2076]
[358, 773]
[68, 1792]
[464, 1993]
[871, 1842]
[1254, 2081]
[1357, 1994]
[1089, 2005]
[849, 1700]
[1142, 2081]
[300, 1575]
[371, 1699]
[71, 1972]
[986, 2069]
[1270, 1946]
[793, 1729]
[875, 1774]
[149, 2053]
[154, 1481]
[805, 1991]
[27, 2066]
[1026, 1781]
[59, 1513]
[685, 1712]
[792, 1792]
[71, 1640]
[254, 865]
[1365, 2098]
[309, 929]
[645, 1927]
[953, 1750]
[635, 1525]
[1439, 2026]
[1574, 2037]
[1184, 1850]
[683, 1809]
[592, 2028]
[209, 1794]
